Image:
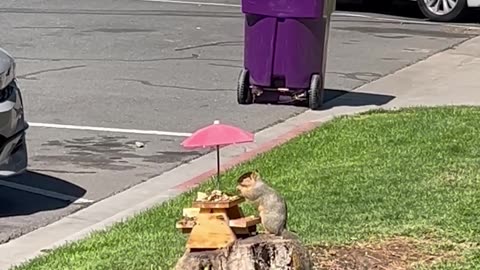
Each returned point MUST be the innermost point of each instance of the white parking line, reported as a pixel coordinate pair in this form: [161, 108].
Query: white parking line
[45, 193]
[336, 13]
[115, 130]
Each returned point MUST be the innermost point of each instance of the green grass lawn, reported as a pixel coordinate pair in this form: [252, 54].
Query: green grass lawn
[412, 173]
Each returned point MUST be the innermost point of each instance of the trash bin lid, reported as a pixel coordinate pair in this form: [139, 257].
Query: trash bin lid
[285, 8]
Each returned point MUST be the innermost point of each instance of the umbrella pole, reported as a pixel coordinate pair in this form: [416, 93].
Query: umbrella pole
[218, 167]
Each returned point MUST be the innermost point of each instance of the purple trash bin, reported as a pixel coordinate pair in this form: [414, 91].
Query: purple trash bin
[285, 49]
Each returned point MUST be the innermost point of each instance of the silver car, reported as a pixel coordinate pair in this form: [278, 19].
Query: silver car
[446, 10]
[13, 148]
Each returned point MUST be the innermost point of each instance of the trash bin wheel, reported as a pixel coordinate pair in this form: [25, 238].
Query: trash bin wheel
[316, 92]
[244, 93]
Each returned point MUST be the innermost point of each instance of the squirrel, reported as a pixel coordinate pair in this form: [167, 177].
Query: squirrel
[273, 213]
[270, 204]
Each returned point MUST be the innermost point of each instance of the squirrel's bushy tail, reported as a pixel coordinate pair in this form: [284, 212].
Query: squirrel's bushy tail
[289, 235]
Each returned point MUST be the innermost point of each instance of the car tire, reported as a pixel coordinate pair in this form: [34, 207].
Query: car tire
[456, 13]
[316, 93]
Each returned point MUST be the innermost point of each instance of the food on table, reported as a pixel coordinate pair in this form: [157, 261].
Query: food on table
[215, 196]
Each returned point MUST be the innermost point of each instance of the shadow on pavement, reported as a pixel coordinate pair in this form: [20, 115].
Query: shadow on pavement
[15, 202]
[402, 8]
[399, 8]
[355, 99]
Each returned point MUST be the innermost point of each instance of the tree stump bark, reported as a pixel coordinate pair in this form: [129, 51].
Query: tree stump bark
[259, 252]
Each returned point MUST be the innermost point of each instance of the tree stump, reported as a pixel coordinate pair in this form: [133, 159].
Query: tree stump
[260, 252]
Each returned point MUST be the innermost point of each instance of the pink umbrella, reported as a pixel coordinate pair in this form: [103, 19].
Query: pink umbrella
[217, 135]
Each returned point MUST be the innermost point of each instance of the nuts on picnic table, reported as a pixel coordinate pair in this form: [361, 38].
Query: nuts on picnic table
[215, 196]
[188, 221]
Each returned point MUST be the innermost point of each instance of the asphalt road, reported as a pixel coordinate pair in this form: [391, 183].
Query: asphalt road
[132, 64]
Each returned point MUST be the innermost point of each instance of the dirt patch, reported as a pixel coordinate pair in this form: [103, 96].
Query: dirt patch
[392, 254]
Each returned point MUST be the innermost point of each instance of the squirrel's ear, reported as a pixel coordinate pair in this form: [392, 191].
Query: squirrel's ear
[255, 176]
[243, 177]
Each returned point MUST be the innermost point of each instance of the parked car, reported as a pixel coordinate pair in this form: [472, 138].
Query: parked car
[13, 147]
[446, 10]
[438, 10]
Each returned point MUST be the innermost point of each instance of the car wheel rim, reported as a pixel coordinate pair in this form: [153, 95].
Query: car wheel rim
[441, 7]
